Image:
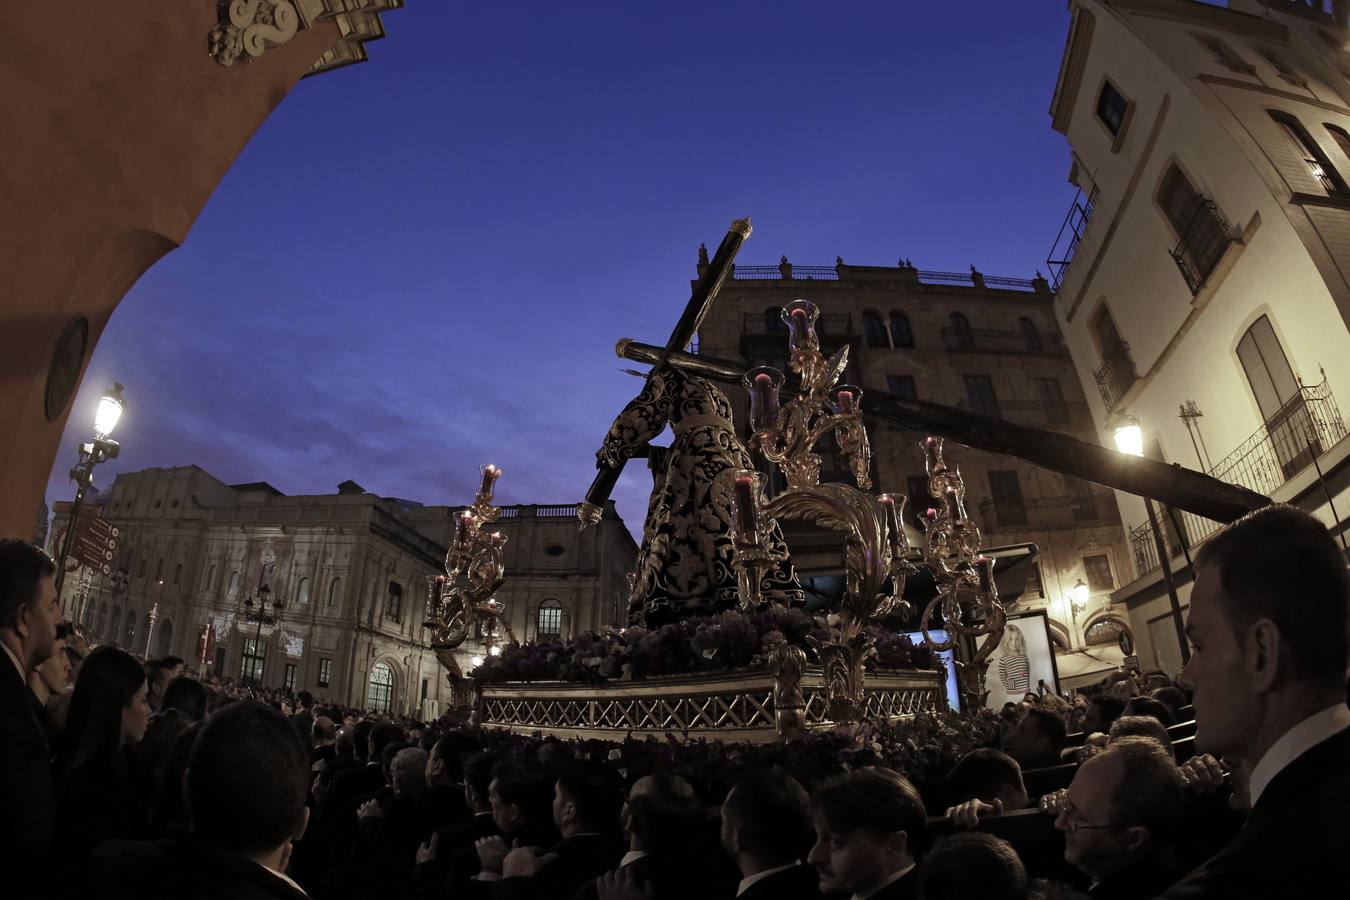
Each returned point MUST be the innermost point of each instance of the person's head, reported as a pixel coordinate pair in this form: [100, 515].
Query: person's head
[1102, 710]
[587, 797]
[1014, 643]
[973, 865]
[156, 679]
[29, 607]
[382, 736]
[324, 732]
[766, 818]
[987, 774]
[1140, 726]
[869, 824]
[445, 765]
[408, 771]
[1147, 706]
[361, 740]
[662, 812]
[108, 709]
[54, 673]
[305, 700]
[478, 781]
[346, 741]
[248, 780]
[1031, 697]
[188, 695]
[173, 665]
[1038, 736]
[1268, 629]
[1122, 804]
[1172, 698]
[520, 794]
[1155, 679]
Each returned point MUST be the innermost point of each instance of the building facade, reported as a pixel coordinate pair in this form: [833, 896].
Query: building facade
[983, 343]
[351, 571]
[1202, 273]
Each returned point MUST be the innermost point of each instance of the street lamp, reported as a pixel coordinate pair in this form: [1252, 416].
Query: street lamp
[1130, 440]
[259, 614]
[100, 449]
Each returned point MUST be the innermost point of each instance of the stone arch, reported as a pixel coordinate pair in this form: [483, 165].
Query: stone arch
[164, 638]
[382, 686]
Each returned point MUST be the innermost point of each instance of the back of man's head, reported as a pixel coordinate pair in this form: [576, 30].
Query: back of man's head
[663, 811]
[527, 785]
[1280, 563]
[186, 694]
[305, 699]
[478, 777]
[1141, 726]
[1172, 698]
[325, 732]
[770, 814]
[1149, 789]
[22, 566]
[875, 800]
[247, 779]
[382, 736]
[595, 789]
[973, 865]
[985, 774]
[1104, 709]
[361, 739]
[453, 748]
[1051, 727]
[408, 771]
[1147, 706]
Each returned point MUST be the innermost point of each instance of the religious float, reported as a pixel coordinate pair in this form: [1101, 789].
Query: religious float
[712, 542]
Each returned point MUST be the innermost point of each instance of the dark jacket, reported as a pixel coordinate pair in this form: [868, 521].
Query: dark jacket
[1296, 836]
[797, 883]
[464, 864]
[580, 859]
[103, 804]
[906, 888]
[429, 878]
[182, 868]
[25, 773]
[1144, 878]
[674, 876]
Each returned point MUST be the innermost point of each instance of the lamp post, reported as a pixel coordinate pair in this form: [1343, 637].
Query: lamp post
[1078, 600]
[1130, 440]
[100, 449]
[258, 614]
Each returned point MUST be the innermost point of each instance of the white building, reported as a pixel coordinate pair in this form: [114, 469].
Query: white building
[1206, 258]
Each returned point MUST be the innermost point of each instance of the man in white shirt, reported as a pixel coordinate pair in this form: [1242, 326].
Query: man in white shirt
[1268, 628]
[868, 824]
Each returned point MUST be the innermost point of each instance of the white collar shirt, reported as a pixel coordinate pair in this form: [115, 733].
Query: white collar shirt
[760, 876]
[1294, 743]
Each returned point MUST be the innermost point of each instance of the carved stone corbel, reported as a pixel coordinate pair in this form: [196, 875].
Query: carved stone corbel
[251, 27]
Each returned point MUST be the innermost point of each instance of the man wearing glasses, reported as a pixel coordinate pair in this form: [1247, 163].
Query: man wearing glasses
[1118, 818]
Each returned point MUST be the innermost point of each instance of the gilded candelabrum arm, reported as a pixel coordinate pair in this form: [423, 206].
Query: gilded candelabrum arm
[474, 570]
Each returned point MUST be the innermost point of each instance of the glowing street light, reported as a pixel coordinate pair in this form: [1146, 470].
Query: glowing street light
[109, 411]
[1130, 437]
[100, 449]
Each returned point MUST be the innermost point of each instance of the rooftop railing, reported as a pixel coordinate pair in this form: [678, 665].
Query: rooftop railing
[793, 272]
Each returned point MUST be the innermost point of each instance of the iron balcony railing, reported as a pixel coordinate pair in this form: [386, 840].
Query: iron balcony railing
[985, 340]
[1302, 430]
[758, 324]
[794, 272]
[1116, 376]
[1204, 240]
[1070, 236]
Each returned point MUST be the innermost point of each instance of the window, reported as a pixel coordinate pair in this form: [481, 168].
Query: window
[962, 337]
[1111, 106]
[901, 334]
[1340, 136]
[302, 592]
[1030, 336]
[1098, 570]
[424, 690]
[144, 562]
[380, 691]
[210, 578]
[1278, 397]
[1202, 235]
[1083, 501]
[335, 593]
[1035, 587]
[251, 663]
[177, 573]
[1226, 56]
[159, 570]
[1319, 166]
[902, 386]
[1051, 397]
[234, 584]
[221, 651]
[550, 620]
[393, 604]
[325, 671]
[1009, 508]
[1283, 69]
[773, 320]
[916, 489]
[980, 391]
[1104, 631]
[874, 330]
[289, 680]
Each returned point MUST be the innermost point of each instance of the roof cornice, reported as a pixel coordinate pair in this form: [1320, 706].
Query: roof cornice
[1071, 68]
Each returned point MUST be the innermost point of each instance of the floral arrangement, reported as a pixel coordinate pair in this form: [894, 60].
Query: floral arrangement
[722, 642]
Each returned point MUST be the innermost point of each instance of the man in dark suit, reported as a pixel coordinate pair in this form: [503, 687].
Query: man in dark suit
[29, 614]
[303, 720]
[433, 857]
[973, 866]
[766, 827]
[521, 796]
[588, 796]
[1037, 739]
[1268, 627]
[869, 825]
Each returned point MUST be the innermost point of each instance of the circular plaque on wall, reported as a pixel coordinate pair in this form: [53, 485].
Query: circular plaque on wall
[65, 369]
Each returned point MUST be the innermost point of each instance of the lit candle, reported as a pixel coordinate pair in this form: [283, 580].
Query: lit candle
[465, 530]
[984, 571]
[799, 322]
[765, 395]
[747, 511]
[843, 402]
[894, 530]
[932, 451]
[490, 475]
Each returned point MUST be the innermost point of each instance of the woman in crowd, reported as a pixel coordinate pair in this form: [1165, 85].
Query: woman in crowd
[95, 766]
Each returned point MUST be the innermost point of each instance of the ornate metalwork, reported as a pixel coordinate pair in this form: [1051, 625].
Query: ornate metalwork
[460, 602]
[251, 26]
[787, 663]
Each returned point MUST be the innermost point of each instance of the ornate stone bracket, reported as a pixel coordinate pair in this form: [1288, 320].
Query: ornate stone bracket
[251, 27]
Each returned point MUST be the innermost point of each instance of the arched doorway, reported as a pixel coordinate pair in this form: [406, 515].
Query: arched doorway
[380, 689]
[164, 638]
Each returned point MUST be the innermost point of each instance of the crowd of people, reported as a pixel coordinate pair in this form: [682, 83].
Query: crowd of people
[132, 778]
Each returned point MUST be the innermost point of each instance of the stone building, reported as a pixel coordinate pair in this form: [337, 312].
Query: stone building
[1204, 267]
[984, 343]
[351, 571]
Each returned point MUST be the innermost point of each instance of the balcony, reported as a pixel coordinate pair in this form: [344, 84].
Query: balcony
[1116, 376]
[1204, 239]
[1020, 343]
[1070, 236]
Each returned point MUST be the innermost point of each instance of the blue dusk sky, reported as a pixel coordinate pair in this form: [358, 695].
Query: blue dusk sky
[421, 263]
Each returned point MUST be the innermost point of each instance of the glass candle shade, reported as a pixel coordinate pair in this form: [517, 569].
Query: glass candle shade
[952, 505]
[763, 385]
[745, 500]
[932, 455]
[847, 399]
[893, 508]
[984, 572]
[464, 530]
[800, 317]
[490, 475]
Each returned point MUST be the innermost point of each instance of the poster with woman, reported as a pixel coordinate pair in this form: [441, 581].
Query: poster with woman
[1024, 658]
